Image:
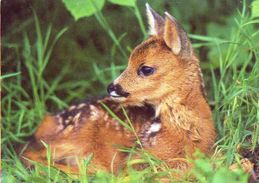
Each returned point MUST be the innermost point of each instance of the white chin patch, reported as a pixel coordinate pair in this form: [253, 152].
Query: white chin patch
[155, 127]
[114, 94]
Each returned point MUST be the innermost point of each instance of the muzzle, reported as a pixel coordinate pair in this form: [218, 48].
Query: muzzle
[116, 91]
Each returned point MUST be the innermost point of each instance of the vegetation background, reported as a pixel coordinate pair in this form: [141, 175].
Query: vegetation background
[51, 58]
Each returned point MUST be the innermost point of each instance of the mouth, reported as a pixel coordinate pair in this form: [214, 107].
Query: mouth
[114, 94]
[116, 91]
[117, 96]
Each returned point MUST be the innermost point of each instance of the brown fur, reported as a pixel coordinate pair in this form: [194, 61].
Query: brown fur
[173, 94]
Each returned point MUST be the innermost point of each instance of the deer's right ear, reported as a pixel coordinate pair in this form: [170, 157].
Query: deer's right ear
[155, 21]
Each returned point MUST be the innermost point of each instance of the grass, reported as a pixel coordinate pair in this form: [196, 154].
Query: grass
[233, 91]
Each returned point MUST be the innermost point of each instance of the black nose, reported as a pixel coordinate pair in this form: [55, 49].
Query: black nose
[116, 91]
[111, 87]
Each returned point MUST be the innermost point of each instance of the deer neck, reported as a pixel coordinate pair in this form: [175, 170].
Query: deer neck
[183, 112]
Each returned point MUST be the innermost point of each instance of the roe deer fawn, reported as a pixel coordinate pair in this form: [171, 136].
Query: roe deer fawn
[162, 92]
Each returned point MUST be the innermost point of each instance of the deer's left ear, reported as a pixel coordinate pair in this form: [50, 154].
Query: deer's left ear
[175, 37]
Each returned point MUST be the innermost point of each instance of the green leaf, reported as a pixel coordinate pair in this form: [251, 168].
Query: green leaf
[255, 8]
[83, 8]
[225, 175]
[124, 2]
[9, 75]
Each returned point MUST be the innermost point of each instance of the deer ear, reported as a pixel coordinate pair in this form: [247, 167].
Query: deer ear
[175, 37]
[155, 21]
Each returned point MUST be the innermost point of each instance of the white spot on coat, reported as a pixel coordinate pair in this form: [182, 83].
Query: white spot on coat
[76, 118]
[92, 107]
[106, 117]
[81, 106]
[71, 108]
[59, 119]
[66, 121]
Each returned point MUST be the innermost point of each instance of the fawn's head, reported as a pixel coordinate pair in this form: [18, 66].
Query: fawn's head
[162, 66]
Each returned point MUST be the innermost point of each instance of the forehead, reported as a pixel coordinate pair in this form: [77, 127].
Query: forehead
[152, 46]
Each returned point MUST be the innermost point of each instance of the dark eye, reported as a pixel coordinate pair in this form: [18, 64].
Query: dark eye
[145, 71]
